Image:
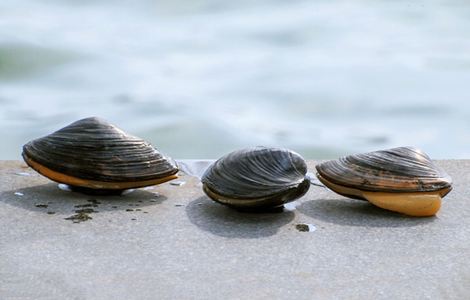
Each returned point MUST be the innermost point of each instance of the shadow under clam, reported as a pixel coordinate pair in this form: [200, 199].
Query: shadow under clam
[49, 198]
[349, 212]
[227, 222]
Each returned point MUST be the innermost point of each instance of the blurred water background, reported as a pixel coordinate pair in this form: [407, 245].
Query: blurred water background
[198, 78]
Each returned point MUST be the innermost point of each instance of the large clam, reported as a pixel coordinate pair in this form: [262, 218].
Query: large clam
[257, 178]
[92, 155]
[401, 179]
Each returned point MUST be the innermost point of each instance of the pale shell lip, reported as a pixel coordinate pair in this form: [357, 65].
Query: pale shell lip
[402, 169]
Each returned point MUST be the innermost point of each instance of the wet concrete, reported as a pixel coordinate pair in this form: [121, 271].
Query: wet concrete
[172, 242]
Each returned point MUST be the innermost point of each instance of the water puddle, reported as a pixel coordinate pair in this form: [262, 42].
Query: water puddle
[291, 206]
[177, 183]
[128, 191]
[22, 174]
[313, 179]
[194, 167]
[64, 187]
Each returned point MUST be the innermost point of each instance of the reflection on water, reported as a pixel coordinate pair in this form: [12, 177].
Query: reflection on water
[200, 78]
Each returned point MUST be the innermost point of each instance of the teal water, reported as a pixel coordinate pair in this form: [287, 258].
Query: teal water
[201, 78]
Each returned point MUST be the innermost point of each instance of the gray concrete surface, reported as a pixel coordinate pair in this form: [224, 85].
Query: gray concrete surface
[171, 242]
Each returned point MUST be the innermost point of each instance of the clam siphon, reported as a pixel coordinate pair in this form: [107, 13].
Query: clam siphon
[92, 155]
[401, 179]
[256, 178]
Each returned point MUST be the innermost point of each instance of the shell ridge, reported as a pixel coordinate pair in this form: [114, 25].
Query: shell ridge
[94, 149]
[396, 169]
[253, 171]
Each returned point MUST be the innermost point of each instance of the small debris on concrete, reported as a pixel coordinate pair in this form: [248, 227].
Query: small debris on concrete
[129, 209]
[80, 217]
[51, 212]
[19, 194]
[41, 205]
[305, 227]
[137, 209]
[86, 211]
[179, 205]
[302, 227]
[114, 207]
[133, 219]
[86, 205]
[177, 183]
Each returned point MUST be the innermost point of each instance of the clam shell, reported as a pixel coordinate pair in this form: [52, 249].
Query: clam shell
[403, 169]
[257, 178]
[92, 153]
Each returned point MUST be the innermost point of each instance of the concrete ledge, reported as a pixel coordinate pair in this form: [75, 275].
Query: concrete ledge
[172, 242]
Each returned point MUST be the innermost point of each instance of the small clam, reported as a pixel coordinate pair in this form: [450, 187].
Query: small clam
[92, 155]
[401, 179]
[256, 178]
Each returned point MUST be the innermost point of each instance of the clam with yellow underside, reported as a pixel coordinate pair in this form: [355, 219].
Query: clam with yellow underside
[92, 155]
[403, 180]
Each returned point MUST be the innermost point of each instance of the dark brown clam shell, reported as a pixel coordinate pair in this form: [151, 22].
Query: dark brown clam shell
[257, 178]
[403, 169]
[92, 153]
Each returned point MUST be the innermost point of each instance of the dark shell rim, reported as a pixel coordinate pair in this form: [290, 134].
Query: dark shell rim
[296, 192]
[447, 190]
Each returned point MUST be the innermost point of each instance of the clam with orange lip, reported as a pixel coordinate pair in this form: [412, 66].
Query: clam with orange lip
[401, 179]
[94, 156]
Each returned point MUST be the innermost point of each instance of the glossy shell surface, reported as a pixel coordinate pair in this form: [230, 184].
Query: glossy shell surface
[93, 153]
[257, 178]
[403, 169]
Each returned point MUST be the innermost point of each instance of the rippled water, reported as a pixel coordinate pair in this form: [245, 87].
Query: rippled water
[200, 78]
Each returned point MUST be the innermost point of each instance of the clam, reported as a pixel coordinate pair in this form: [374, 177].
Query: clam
[401, 179]
[92, 155]
[256, 178]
